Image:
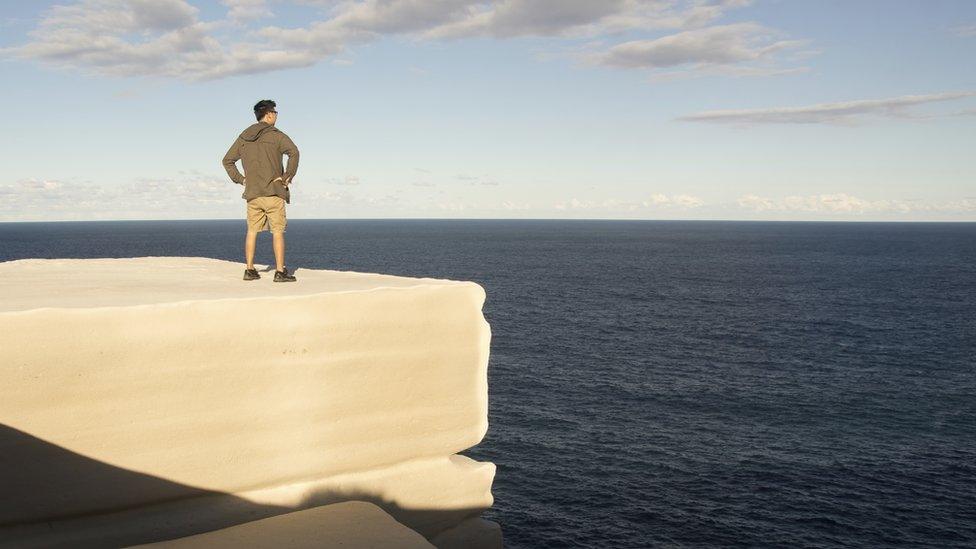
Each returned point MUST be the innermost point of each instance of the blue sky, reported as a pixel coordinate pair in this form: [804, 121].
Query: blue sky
[618, 109]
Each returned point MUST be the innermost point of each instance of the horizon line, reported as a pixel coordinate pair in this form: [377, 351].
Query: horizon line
[718, 220]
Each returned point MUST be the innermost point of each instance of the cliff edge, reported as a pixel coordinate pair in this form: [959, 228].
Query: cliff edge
[153, 398]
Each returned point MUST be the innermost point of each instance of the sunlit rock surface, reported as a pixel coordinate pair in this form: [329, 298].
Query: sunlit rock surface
[146, 399]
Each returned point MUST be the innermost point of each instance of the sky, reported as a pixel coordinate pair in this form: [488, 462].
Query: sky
[848, 110]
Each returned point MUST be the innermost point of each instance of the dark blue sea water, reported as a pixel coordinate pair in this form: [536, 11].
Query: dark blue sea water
[682, 384]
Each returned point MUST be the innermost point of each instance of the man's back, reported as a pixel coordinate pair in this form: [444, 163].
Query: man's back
[260, 147]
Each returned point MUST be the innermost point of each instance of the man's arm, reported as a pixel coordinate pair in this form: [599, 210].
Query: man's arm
[288, 147]
[230, 162]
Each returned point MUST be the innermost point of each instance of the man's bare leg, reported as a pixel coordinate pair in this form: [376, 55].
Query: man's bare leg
[250, 241]
[278, 241]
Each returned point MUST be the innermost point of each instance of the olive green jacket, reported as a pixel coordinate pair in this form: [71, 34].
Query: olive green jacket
[260, 147]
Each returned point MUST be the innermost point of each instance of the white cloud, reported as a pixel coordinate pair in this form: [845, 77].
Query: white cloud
[757, 203]
[676, 200]
[452, 206]
[845, 113]
[347, 180]
[244, 10]
[241, 10]
[709, 47]
[686, 201]
[168, 38]
[513, 206]
[319, 196]
[170, 191]
[316, 202]
[477, 179]
[450, 19]
[511, 18]
[574, 203]
[611, 205]
[187, 195]
[964, 31]
[149, 37]
[723, 70]
[114, 16]
[843, 203]
[657, 200]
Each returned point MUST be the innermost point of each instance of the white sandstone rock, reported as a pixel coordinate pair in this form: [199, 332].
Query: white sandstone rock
[144, 399]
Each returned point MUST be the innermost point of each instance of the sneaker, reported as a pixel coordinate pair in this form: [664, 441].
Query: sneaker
[284, 276]
[251, 274]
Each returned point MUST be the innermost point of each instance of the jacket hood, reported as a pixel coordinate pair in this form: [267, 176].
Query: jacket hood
[252, 132]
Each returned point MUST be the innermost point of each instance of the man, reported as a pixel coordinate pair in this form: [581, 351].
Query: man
[260, 147]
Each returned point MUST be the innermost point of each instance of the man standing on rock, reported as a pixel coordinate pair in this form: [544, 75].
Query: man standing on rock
[260, 147]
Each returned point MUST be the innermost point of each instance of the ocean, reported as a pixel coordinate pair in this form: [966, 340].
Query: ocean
[680, 383]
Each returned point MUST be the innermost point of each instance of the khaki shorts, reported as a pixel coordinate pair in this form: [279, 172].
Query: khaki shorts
[266, 213]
